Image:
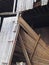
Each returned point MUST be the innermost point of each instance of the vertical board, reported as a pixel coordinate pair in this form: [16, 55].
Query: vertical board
[7, 39]
[44, 2]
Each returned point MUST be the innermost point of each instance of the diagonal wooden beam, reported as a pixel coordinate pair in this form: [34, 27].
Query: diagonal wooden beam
[35, 48]
[24, 50]
[32, 33]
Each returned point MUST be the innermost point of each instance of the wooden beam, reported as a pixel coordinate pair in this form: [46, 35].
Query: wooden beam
[24, 50]
[14, 6]
[28, 41]
[8, 39]
[30, 45]
[7, 13]
[32, 33]
[41, 60]
[35, 48]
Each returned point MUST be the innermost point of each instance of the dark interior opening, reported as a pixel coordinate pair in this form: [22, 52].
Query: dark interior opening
[37, 17]
[6, 5]
[18, 55]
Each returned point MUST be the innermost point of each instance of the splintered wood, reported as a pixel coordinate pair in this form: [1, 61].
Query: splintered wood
[37, 49]
[8, 36]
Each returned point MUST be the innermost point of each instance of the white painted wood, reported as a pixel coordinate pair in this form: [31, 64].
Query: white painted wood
[25, 5]
[0, 20]
[29, 4]
[14, 6]
[20, 5]
[7, 39]
[34, 0]
[44, 2]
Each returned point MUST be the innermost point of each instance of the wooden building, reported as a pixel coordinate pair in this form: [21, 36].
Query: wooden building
[24, 35]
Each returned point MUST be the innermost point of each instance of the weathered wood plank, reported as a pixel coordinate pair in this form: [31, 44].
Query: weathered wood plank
[28, 42]
[24, 50]
[35, 48]
[8, 39]
[42, 49]
[40, 53]
[32, 33]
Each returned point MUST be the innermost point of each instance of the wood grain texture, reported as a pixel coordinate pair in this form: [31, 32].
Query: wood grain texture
[42, 51]
[40, 54]
[32, 33]
[24, 50]
[8, 39]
